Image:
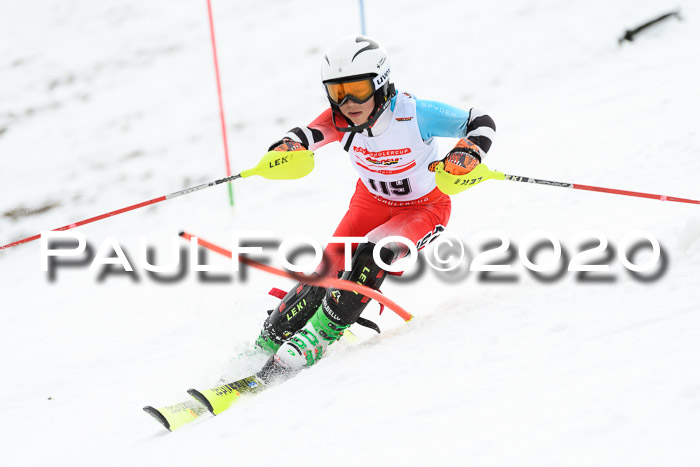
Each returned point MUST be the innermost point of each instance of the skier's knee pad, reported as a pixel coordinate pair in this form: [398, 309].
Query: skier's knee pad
[344, 306]
[292, 313]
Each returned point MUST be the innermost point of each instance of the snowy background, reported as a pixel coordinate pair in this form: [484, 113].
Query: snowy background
[110, 103]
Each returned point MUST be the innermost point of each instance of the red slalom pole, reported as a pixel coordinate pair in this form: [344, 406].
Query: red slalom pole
[320, 281]
[221, 100]
[519, 178]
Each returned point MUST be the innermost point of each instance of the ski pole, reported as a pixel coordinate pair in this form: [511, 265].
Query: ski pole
[274, 165]
[313, 280]
[453, 184]
[577, 186]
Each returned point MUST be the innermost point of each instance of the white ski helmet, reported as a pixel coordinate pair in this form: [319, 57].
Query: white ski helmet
[357, 68]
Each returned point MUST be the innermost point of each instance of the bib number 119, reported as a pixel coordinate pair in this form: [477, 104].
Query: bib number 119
[396, 188]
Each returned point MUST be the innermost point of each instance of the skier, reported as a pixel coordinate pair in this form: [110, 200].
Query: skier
[389, 137]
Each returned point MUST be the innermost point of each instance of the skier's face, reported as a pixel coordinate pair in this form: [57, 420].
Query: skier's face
[357, 113]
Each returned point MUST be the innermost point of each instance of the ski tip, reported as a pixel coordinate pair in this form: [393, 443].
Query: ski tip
[155, 413]
[199, 397]
[181, 233]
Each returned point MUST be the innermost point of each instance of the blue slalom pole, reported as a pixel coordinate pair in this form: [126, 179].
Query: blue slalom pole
[362, 17]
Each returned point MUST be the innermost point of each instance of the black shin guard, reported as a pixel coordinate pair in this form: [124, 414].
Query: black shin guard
[344, 306]
[292, 313]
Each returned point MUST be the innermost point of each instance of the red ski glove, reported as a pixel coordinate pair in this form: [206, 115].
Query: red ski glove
[287, 144]
[461, 160]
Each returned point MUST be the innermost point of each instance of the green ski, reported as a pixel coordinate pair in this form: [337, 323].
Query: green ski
[174, 416]
[219, 398]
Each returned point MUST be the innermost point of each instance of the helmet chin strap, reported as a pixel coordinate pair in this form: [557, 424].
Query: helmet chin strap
[352, 128]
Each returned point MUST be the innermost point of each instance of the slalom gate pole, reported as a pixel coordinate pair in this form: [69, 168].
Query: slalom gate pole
[318, 281]
[274, 165]
[221, 100]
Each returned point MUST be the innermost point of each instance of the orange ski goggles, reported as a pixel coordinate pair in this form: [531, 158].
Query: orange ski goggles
[359, 91]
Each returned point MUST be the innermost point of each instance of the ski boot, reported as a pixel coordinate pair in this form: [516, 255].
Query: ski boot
[292, 313]
[337, 311]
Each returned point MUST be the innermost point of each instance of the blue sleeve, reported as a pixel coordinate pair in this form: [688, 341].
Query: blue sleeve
[438, 119]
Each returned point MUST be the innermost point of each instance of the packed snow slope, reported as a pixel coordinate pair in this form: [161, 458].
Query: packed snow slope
[107, 104]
